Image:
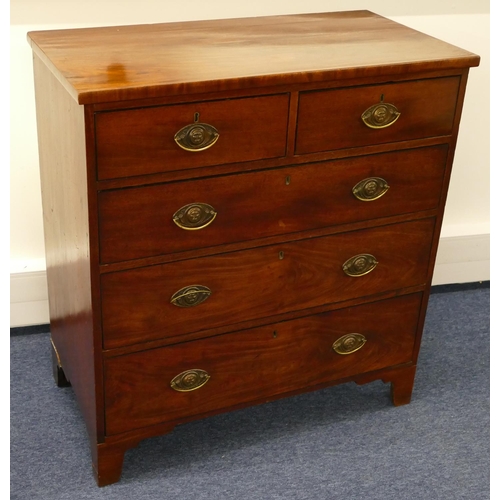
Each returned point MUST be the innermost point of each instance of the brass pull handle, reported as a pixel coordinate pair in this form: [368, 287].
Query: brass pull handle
[196, 136]
[194, 216]
[380, 115]
[359, 265]
[189, 380]
[190, 296]
[347, 344]
[370, 189]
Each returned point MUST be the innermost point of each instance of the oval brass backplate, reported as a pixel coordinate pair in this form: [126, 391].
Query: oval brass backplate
[196, 136]
[189, 380]
[370, 189]
[194, 216]
[347, 344]
[359, 265]
[380, 115]
[190, 296]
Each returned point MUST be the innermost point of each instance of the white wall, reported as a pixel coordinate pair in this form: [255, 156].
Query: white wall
[464, 248]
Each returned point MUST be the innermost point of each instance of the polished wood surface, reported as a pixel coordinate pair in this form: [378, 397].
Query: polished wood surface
[264, 204]
[132, 62]
[258, 363]
[287, 95]
[331, 119]
[61, 133]
[259, 282]
[141, 141]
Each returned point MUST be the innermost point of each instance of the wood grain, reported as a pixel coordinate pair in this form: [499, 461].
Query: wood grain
[286, 93]
[62, 151]
[332, 119]
[256, 283]
[258, 363]
[263, 204]
[141, 141]
[144, 61]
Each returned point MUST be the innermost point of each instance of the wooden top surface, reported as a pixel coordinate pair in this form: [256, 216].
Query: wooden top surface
[140, 61]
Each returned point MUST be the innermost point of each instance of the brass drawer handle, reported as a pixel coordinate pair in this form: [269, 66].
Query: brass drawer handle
[189, 380]
[196, 136]
[370, 189]
[194, 216]
[190, 296]
[380, 115]
[359, 265]
[347, 344]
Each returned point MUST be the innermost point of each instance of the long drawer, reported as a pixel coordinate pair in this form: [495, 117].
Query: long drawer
[184, 136]
[197, 377]
[169, 218]
[376, 114]
[199, 294]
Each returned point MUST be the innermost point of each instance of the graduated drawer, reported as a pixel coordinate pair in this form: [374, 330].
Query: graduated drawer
[332, 119]
[139, 222]
[142, 141]
[201, 294]
[219, 372]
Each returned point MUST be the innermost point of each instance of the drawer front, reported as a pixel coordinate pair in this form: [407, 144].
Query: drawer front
[142, 141]
[143, 222]
[199, 294]
[257, 363]
[332, 119]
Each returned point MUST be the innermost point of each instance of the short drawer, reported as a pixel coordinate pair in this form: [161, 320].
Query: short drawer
[169, 218]
[193, 295]
[333, 119]
[143, 141]
[195, 378]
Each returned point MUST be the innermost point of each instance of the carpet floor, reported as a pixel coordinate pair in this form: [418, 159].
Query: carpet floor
[345, 442]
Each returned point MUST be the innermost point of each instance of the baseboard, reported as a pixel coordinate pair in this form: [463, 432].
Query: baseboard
[453, 287]
[29, 303]
[459, 287]
[460, 259]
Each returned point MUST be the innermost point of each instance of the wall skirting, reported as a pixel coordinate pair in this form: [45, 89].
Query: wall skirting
[29, 303]
[460, 259]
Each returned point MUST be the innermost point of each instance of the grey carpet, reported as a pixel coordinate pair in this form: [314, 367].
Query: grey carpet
[345, 442]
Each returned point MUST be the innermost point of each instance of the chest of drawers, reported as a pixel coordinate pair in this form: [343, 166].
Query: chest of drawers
[238, 210]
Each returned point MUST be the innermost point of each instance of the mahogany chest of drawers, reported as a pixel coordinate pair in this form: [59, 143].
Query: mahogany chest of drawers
[239, 210]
